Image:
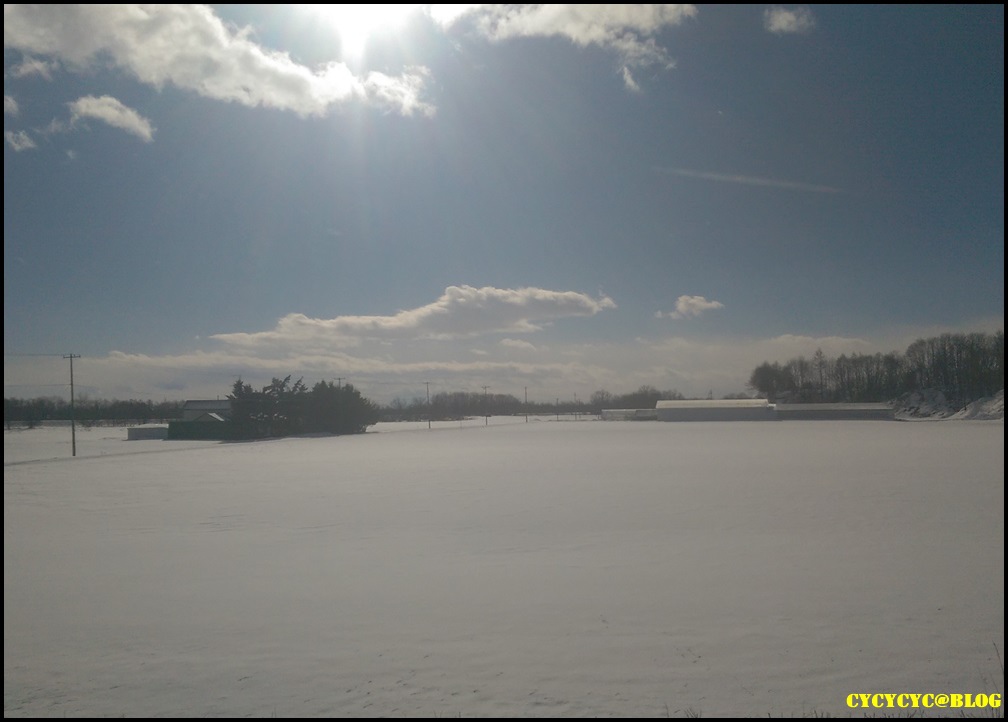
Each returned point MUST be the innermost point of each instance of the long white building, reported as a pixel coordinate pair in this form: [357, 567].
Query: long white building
[749, 410]
[716, 410]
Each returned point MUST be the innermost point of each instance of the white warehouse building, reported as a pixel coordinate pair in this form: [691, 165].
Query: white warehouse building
[716, 410]
[749, 410]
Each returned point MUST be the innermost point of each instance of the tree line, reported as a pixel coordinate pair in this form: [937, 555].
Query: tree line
[964, 366]
[35, 411]
[281, 408]
[454, 405]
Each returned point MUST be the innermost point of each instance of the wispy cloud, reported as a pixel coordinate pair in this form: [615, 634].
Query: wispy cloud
[626, 30]
[189, 47]
[31, 66]
[462, 311]
[749, 180]
[629, 82]
[517, 343]
[690, 307]
[10, 106]
[781, 21]
[18, 140]
[109, 110]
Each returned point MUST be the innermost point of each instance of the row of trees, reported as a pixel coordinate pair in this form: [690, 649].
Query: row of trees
[450, 405]
[460, 404]
[281, 409]
[963, 366]
[35, 411]
[644, 397]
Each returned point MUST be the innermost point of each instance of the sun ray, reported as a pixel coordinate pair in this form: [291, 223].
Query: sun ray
[355, 24]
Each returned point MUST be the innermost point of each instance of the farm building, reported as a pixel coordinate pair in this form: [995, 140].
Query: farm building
[749, 410]
[206, 410]
[715, 410]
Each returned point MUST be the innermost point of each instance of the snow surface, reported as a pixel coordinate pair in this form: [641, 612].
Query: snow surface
[504, 568]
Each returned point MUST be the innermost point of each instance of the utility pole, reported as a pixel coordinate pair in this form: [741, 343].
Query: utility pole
[73, 423]
[486, 410]
[558, 408]
[427, 384]
[339, 381]
[526, 404]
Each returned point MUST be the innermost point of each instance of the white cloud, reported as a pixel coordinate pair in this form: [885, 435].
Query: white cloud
[10, 106]
[447, 15]
[518, 344]
[627, 30]
[629, 82]
[18, 140]
[109, 110]
[690, 306]
[402, 93]
[189, 47]
[31, 66]
[782, 21]
[462, 311]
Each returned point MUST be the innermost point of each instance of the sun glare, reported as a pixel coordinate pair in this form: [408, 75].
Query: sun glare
[355, 24]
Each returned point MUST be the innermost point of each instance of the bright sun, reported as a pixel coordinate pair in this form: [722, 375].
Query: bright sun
[356, 23]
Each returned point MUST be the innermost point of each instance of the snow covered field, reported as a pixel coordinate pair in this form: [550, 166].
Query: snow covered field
[548, 568]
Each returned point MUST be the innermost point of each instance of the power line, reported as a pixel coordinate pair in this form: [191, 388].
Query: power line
[24, 355]
[33, 386]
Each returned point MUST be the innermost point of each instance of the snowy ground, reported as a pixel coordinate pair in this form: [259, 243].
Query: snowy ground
[548, 568]
[931, 404]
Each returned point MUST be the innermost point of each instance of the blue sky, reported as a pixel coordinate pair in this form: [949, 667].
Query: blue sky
[553, 198]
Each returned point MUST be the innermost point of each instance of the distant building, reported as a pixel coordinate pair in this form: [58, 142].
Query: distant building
[883, 412]
[749, 410]
[715, 410]
[206, 410]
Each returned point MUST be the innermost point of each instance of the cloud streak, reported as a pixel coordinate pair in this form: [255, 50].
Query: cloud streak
[749, 180]
[189, 47]
[460, 312]
[109, 110]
